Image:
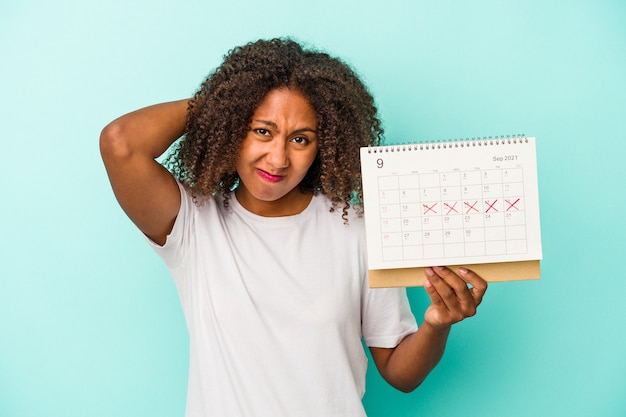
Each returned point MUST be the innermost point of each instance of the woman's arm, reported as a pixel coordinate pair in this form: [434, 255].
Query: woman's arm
[147, 192]
[408, 364]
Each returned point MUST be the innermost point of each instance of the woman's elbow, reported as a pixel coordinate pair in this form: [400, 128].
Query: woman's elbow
[113, 144]
[406, 388]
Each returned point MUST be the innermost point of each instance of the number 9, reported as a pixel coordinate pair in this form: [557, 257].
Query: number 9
[379, 162]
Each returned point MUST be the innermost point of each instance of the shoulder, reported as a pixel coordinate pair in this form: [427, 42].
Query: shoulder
[197, 212]
[200, 202]
[333, 219]
[322, 202]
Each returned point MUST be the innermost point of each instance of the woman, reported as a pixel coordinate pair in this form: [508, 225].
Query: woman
[258, 219]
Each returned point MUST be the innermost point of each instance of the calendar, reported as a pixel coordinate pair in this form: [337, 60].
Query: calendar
[459, 202]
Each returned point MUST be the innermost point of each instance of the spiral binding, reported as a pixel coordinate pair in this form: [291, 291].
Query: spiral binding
[451, 144]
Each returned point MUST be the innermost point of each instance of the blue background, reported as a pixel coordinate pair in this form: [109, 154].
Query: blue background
[90, 323]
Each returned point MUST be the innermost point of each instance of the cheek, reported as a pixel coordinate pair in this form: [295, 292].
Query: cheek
[309, 164]
[245, 154]
[306, 160]
[314, 157]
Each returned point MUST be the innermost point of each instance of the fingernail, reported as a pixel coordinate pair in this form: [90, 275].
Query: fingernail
[462, 271]
[429, 272]
[427, 284]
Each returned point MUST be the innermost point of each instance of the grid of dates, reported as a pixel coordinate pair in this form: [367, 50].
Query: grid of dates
[452, 214]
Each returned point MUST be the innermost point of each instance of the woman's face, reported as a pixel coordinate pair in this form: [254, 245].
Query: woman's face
[276, 154]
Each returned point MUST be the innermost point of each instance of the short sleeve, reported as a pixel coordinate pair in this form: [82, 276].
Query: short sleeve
[387, 317]
[172, 252]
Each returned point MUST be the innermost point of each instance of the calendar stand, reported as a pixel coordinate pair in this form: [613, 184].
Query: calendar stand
[496, 272]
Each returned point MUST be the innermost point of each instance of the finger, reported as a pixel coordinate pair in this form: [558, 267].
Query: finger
[479, 285]
[443, 288]
[435, 298]
[466, 299]
[458, 284]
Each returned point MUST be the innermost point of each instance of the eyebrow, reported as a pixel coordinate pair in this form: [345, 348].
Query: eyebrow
[275, 126]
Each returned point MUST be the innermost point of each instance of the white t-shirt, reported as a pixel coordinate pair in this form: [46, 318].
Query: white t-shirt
[276, 308]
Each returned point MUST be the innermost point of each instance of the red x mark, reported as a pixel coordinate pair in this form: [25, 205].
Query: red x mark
[431, 208]
[451, 208]
[471, 207]
[512, 205]
[491, 206]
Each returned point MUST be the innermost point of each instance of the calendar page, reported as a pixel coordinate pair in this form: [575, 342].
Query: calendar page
[451, 203]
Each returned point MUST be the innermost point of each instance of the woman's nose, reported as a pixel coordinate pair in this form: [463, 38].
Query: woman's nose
[277, 154]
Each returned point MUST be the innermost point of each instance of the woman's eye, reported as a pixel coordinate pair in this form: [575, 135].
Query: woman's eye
[263, 132]
[300, 140]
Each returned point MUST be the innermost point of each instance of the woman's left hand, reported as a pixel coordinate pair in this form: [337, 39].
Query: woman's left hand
[452, 299]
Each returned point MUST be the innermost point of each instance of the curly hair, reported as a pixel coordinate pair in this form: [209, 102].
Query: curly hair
[220, 113]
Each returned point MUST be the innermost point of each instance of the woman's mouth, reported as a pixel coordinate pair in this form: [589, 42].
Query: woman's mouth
[269, 177]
